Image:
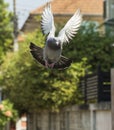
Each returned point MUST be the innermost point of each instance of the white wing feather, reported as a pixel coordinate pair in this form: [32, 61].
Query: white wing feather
[71, 27]
[47, 22]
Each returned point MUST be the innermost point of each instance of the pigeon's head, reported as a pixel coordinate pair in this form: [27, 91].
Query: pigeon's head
[53, 43]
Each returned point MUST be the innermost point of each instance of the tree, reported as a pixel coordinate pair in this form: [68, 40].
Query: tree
[31, 86]
[93, 45]
[7, 113]
[5, 29]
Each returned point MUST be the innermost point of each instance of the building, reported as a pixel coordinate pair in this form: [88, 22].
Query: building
[109, 17]
[63, 10]
[109, 9]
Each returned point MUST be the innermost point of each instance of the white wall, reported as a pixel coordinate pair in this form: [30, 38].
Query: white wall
[103, 120]
[92, 117]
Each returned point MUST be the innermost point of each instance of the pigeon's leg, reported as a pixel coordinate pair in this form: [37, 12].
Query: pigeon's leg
[52, 65]
[46, 64]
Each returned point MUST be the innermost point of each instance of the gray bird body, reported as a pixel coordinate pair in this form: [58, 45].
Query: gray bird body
[53, 47]
[52, 50]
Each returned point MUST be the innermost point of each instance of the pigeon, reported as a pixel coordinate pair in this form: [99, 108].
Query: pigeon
[50, 55]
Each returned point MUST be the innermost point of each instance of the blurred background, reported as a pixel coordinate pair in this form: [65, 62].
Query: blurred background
[35, 98]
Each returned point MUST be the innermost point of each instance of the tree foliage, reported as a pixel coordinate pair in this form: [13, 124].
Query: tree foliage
[93, 45]
[31, 86]
[7, 113]
[5, 29]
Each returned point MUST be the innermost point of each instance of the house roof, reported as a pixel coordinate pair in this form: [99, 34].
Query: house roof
[87, 7]
[91, 10]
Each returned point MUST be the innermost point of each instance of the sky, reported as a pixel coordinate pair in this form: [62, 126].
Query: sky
[23, 8]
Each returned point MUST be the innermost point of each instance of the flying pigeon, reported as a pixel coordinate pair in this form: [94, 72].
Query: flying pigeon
[51, 55]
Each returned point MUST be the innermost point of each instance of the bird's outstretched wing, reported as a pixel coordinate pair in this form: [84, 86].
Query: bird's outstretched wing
[47, 22]
[63, 63]
[71, 27]
[37, 53]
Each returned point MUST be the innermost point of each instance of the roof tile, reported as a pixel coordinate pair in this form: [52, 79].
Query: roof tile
[87, 7]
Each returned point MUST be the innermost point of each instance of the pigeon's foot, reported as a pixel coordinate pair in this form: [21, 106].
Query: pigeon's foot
[51, 65]
[47, 65]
